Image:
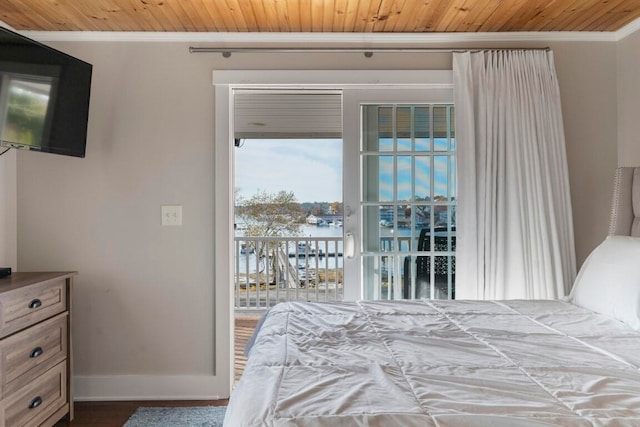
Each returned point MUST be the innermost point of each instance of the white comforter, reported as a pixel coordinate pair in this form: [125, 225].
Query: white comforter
[439, 363]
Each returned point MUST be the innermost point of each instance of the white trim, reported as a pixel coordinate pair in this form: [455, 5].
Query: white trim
[223, 229]
[324, 39]
[628, 29]
[7, 26]
[148, 387]
[351, 182]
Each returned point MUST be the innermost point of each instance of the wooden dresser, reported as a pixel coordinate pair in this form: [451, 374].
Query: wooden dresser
[35, 349]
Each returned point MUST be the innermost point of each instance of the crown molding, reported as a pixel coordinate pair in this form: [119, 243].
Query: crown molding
[368, 39]
[5, 25]
[628, 29]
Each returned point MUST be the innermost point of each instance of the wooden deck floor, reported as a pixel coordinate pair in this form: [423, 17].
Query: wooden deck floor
[244, 327]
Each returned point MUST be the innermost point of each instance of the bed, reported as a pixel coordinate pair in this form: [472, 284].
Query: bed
[573, 362]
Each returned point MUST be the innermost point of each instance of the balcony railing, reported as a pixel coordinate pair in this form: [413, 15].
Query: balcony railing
[269, 270]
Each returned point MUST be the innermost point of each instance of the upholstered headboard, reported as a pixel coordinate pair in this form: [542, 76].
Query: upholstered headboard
[625, 207]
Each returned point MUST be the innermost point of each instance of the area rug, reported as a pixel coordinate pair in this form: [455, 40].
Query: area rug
[188, 416]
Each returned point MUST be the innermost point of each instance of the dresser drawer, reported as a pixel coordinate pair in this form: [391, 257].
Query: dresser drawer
[27, 306]
[28, 354]
[37, 401]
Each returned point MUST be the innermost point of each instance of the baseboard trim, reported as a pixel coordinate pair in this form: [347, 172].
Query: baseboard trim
[149, 387]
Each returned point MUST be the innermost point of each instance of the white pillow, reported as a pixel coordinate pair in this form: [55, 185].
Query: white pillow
[609, 280]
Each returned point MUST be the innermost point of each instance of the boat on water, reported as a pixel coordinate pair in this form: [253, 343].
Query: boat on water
[386, 223]
[318, 221]
[313, 220]
[303, 249]
[244, 250]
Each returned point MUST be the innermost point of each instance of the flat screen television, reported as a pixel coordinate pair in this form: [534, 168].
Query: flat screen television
[44, 97]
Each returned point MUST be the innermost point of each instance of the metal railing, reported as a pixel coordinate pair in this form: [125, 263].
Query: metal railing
[269, 270]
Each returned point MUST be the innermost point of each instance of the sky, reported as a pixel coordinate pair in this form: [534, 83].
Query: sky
[311, 168]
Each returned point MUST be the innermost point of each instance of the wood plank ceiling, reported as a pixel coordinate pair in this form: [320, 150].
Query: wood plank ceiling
[351, 16]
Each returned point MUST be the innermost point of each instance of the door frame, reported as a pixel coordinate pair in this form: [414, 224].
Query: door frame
[357, 85]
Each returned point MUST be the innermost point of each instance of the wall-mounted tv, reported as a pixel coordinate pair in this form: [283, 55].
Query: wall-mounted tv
[44, 97]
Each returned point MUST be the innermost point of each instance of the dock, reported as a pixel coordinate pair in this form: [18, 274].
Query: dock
[314, 254]
[290, 273]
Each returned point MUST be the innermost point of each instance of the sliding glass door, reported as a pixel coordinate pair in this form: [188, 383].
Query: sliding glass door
[403, 202]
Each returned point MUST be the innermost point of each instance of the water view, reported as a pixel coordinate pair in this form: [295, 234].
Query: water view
[310, 242]
[269, 270]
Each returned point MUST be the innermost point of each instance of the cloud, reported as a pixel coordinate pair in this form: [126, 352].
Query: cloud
[311, 168]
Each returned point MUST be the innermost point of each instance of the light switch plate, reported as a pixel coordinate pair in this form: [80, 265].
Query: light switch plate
[171, 215]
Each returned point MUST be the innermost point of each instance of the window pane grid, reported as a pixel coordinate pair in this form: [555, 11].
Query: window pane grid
[411, 231]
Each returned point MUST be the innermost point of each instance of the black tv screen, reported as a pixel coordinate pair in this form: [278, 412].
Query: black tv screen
[44, 97]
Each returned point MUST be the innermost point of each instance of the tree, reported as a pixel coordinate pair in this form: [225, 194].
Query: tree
[336, 208]
[269, 215]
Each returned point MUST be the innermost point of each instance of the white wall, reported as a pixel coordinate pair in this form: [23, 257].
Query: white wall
[144, 298]
[8, 210]
[587, 77]
[629, 101]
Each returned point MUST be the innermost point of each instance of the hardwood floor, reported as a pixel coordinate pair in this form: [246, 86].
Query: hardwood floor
[115, 414]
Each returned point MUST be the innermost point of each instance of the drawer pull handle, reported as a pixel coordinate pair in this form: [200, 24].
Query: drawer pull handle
[35, 303]
[35, 402]
[36, 352]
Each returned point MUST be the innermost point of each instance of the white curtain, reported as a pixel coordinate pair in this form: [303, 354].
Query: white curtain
[515, 229]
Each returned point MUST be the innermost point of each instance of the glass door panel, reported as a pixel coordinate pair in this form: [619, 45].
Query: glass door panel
[408, 201]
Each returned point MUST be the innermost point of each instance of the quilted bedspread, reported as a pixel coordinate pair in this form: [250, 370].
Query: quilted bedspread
[439, 363]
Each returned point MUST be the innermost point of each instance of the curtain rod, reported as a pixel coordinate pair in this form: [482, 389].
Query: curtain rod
[368, 52]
